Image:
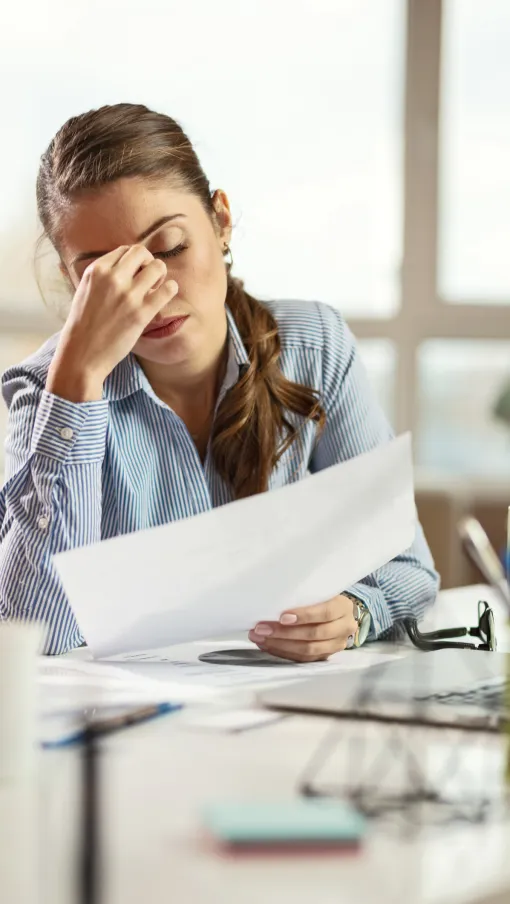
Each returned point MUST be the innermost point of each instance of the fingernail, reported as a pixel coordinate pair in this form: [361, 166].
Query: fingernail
[288, 619]
[258, 641]
[264, 630]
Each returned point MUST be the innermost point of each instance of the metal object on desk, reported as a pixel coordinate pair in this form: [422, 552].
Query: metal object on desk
[507, 550]
[478, 547]
[402, 783]
[444, 689]
[420, 800]
[90, 877]
[90, 865]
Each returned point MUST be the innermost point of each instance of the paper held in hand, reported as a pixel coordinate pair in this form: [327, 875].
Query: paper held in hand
[226, 569]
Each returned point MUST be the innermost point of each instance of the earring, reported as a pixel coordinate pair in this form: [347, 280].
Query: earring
[227, 250]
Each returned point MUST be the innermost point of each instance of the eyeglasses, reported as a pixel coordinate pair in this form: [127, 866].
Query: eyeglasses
[418, 803]
[418, 800]
[439, 640]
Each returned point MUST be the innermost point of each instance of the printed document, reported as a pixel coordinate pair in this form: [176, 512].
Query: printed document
[228, 568]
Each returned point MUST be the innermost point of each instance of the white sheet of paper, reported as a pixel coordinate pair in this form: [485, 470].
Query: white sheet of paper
[65, 685]
[181, 666]
[175, 675]
[230, 567]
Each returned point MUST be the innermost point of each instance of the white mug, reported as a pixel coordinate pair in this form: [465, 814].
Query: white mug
[20, 643]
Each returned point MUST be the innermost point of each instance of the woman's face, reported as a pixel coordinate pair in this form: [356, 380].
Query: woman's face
[175, 227]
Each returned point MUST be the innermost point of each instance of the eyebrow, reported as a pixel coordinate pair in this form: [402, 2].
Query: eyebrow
[87, 255]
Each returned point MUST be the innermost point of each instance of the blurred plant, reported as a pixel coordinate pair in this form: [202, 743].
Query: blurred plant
[501, 407]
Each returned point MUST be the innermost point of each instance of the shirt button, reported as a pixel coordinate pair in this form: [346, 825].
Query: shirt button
[66, 433]
[43, 522]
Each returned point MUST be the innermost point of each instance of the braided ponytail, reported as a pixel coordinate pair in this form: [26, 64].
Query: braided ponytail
[252, 429]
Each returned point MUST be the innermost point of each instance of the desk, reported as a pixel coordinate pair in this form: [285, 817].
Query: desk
[157, 778]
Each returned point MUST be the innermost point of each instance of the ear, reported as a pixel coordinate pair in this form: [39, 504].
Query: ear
[223, 215]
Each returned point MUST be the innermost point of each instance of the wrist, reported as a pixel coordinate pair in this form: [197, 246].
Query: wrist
[362, 618]
[73, 384]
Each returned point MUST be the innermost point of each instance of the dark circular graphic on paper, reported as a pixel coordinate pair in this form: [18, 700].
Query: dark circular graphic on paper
[244, 657]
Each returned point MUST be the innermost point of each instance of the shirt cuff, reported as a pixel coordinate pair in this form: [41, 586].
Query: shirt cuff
[374, 600]
[70, 432]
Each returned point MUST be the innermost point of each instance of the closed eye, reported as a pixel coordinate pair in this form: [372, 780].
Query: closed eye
[172, 253]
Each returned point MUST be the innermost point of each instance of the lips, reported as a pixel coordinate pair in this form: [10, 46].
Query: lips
[157, 326]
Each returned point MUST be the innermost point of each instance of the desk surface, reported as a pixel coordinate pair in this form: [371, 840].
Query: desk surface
[157, 778]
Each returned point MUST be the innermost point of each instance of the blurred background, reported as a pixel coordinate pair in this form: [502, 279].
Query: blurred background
[365, 147]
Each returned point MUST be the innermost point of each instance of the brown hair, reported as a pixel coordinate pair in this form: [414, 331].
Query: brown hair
[252, 428]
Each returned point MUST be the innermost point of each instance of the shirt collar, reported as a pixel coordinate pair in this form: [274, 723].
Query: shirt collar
[128, 377]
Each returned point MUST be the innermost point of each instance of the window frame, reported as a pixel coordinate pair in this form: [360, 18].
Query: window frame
[423, 313]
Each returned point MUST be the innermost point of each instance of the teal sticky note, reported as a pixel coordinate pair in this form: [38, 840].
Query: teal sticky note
[283, 822]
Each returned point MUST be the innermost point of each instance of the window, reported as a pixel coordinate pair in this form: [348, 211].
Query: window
[475, 152]
[460, 383]
[320, 215]
[295, 109]
[302, 112]
[378, 356]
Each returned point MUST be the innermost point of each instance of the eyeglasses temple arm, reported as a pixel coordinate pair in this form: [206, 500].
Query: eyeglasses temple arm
[428, 641]
[444, 633]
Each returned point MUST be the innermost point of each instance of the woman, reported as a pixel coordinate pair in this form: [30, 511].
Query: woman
[170, 390]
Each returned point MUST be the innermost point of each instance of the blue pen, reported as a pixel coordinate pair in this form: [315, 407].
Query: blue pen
[90, 860]
[116, 723]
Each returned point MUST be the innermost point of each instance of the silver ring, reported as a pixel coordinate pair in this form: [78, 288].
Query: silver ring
[350, 642]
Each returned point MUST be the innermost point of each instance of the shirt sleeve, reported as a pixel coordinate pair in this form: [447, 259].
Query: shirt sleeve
[50, 502]
[355, 423]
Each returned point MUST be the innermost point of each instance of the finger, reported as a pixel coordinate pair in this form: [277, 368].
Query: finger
[106, 261]
[157, 299]
[300, 651]
[338, 640]
[310, 632]
[338, 607]
[134, 257]
[150, 277]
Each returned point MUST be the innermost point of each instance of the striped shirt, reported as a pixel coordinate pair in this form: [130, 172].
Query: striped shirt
[81, 472]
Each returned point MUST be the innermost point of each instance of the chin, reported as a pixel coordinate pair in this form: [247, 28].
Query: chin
[170, 350]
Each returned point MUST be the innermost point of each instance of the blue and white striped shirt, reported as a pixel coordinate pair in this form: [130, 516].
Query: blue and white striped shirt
[81, 472]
